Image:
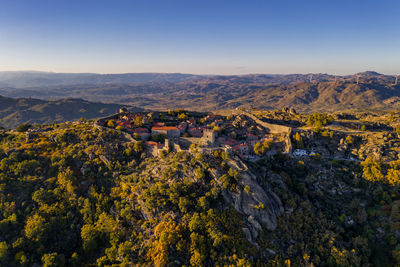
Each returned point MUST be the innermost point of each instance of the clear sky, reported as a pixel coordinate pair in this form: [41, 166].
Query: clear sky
[200, 36]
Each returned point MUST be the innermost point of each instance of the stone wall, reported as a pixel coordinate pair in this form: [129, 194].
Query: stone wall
[273, 128]
[173, 143]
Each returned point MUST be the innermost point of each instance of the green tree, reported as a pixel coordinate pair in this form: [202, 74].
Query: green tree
[3, 251]
[318, 120]
[111, 123]
[89, 235]
[393, 173]
[217, 129]
[349, 139]
[200, 173]
[53, 260]
[182, 116]
[139, 121]
[258, 149]
[35, 227]
[261, 148]
[21, 258]
[120, 128]
[372, 170]
[74, 260]
[138, 147]
[299, 141]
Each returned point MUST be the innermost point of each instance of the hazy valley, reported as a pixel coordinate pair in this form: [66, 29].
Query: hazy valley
[160, 91]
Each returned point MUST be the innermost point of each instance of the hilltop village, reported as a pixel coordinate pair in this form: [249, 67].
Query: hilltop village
[251, 134]
[235, 133]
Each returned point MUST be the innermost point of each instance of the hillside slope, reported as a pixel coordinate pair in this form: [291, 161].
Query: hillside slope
[79, 195]
[169, 91]
[27, 110]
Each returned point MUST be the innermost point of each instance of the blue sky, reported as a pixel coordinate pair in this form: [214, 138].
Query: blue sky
[218, 36]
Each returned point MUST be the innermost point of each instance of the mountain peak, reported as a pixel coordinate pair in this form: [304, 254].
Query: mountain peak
[369, 73]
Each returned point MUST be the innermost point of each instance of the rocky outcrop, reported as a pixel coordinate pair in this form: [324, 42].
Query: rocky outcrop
[260, 205]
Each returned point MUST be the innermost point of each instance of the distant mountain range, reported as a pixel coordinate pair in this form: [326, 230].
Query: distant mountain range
[13, 112]
[305, 92]
[26, 79]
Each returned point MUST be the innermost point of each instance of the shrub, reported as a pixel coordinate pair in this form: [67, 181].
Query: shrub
[111, 123]
[349, 139]
[53, 259]
[3, 251]
[182, 117]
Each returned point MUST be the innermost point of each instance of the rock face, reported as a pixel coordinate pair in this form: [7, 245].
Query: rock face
[260, 205]
[264, 206]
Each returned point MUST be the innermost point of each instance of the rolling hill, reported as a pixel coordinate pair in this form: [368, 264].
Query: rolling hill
[168, 91]
[27, 110]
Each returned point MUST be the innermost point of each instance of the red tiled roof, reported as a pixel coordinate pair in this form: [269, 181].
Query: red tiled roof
[195, 130]
[124, 123]
[153, 144]
[141, 130]
[228, 141]
[164, 128]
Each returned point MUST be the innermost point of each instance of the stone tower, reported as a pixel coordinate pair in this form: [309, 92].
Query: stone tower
[208, 137]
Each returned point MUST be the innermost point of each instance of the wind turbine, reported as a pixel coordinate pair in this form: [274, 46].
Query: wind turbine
[357, 78]
[335, 77]
[397, 78]
[311, 78]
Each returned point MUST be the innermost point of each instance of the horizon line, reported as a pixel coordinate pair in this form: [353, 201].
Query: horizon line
[199, 74]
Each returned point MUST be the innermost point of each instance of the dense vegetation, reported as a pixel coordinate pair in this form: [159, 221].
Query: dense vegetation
[64, 203]
[345, 221]
[72, 195]
[318, 120]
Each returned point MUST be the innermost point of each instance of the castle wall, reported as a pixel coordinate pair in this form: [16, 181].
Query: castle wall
[272, 128]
